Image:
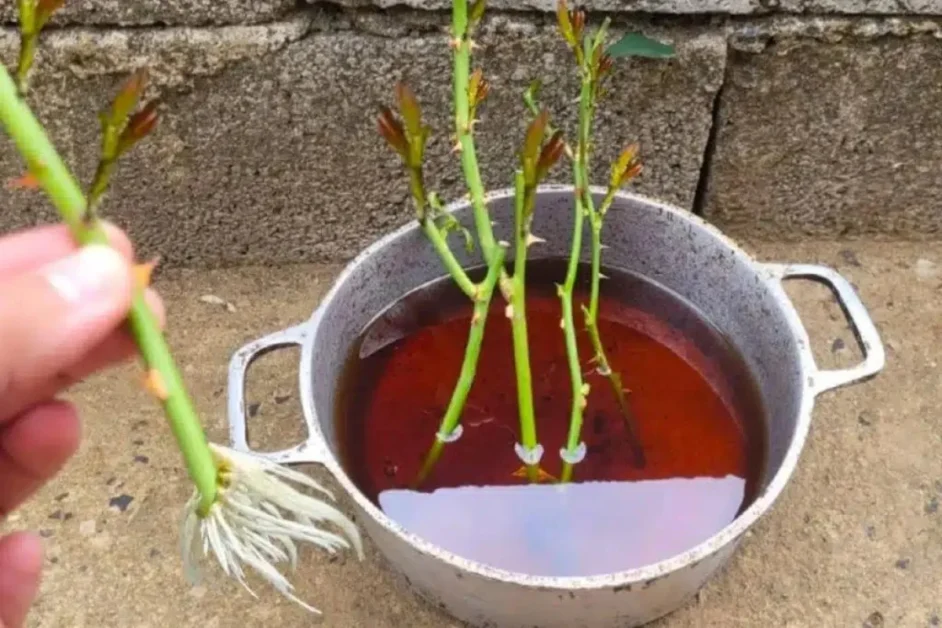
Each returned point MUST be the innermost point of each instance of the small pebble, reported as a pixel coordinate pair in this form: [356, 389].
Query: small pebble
[850, 257]
[932, 506]
[87, 528]
[141, 459]
[902, 563]
[212, 299]
[253, 408]
[875, 620]
[926, 269]
[837, 345]
[121, 502]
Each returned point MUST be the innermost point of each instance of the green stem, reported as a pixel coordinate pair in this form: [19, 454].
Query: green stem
[524, 202]
[465, 137]
[27, 52]
[482, 302]
[580, 178]
[64, 192]
[448, 258]
[100, 182]
[421, 201]
[602, 365]
[591, 322]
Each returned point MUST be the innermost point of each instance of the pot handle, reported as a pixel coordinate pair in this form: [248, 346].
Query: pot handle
[305, 452]
[866, 332]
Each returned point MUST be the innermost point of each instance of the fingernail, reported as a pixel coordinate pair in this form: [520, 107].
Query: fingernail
[93, 272]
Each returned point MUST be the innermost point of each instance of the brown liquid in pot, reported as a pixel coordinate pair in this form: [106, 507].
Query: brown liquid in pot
[700, 418]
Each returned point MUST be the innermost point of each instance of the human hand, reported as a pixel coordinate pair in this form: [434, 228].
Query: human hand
[61, 315]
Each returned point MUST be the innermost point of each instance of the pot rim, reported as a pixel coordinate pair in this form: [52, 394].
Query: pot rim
[729, 534]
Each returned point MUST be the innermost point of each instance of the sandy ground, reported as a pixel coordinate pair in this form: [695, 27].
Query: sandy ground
[856, 540]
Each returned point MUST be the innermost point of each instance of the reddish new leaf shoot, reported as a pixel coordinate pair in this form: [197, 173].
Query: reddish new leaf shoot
[530, 154]
[139, 126]
[552, 151]
[391, 129]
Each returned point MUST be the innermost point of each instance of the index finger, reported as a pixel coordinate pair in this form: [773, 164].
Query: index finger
[31, 248]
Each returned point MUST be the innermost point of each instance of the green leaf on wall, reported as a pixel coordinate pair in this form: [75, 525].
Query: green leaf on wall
[637, 45]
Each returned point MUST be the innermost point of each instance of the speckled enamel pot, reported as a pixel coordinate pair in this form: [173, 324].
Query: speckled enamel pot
[743, 297]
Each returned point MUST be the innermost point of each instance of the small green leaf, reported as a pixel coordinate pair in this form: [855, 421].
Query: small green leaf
[476, 12]
[532, 95]
[637, 45]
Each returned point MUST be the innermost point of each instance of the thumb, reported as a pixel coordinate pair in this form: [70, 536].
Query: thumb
[21, 559]
[52, 317]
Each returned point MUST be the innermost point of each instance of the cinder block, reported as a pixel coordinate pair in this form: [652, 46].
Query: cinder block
[831, 138]
[268, 150]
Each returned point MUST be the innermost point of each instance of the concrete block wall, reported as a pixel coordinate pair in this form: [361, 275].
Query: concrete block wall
[780, 119]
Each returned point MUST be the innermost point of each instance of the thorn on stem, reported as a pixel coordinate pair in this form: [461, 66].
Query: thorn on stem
[154, 384]
[454, 43]
[532, 239]
[28, 181]
[142, 273]
[541, 475]
[509, 311]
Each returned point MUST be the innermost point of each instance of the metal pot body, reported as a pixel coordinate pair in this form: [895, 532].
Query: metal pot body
[742, 297]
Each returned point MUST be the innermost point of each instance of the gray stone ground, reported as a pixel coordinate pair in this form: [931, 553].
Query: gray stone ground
[856, 537]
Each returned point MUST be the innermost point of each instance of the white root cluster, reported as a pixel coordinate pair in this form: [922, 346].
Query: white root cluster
[257, 519]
